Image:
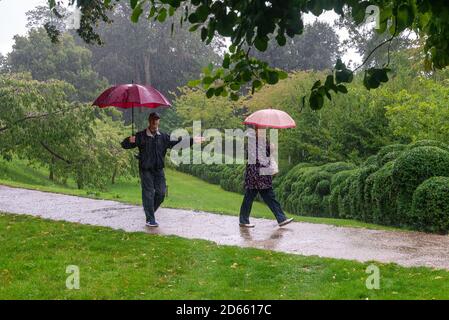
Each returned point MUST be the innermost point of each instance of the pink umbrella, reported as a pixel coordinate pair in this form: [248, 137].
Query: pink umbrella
[131, 96]
[270, 118]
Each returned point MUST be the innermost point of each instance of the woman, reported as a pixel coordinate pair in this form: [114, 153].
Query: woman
[257, 181]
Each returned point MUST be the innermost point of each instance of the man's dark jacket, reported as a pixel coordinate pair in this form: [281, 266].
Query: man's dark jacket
[152, 149]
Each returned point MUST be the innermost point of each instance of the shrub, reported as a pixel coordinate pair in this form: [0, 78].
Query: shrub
[430, 208]
[372, 160]
[417, 165]
[360, 206]
[368, 202]
[391, 148]
[429, 143]
[390, 156]
[384, 196]
[345, 196]
[337, 167]
[323, 188]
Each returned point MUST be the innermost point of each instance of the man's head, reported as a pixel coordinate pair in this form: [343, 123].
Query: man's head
[153, 121]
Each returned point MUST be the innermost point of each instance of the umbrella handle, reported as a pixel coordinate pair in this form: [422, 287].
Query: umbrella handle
[132, 121]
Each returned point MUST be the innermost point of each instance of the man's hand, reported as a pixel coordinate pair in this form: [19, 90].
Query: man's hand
[199, 139]
[132, 139]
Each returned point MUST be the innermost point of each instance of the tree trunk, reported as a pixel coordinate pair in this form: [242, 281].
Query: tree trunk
[52, 170]
[114, 175]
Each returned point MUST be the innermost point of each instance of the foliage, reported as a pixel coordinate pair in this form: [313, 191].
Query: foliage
[420, 112]
[316, 49]
[417, 165]
[217, 112]
[72, 140]
[252, 23]
[64, 61]
[430, 208]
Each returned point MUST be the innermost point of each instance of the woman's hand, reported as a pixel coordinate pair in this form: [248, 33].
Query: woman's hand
[132, 139]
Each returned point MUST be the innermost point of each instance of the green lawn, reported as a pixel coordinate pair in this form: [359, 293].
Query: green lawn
[184, 191]
[34, 254]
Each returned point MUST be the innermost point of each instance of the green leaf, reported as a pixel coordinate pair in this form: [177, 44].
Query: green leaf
[282, 75]
[261, 43]
[194, 83]
[235, 86]
[316, 100]
[195, 27]
[133, 3]
[273, 77]
[203, 33]
[136, 13]
[207, 80]
[162, 15]
[341, 88]
[171, 11]
[234, 96]
[280, 38]
[210, 92]
[226, 61]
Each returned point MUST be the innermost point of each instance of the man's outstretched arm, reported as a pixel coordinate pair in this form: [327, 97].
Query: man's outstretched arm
[172, 143]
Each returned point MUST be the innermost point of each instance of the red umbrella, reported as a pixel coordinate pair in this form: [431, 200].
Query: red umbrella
[131, 96]
[270, 118]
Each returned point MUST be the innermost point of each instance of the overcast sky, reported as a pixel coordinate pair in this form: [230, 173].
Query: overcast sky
[13, 21]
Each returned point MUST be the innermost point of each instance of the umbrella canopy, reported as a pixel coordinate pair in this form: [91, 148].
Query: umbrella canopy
[270, 118]
[131, 96]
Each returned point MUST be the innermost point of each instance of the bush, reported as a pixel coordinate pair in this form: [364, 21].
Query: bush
[384, 197]
[360, 206]
[323, 188]
[371, 161]
[418, 164]
[390, 156]
[391, 148]
[430, 208]
[337, 167]
[429, 143]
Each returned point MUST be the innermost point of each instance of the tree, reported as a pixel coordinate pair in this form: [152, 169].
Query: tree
[65, 61]
[317, 49]
[251, 22]
[37, 123]
[217, 112]
[420, 111]
[146, 52]
[3, 67]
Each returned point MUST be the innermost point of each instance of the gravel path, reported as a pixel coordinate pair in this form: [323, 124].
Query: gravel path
[404, 248]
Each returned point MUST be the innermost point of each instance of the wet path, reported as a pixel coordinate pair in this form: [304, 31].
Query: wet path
[404, 248]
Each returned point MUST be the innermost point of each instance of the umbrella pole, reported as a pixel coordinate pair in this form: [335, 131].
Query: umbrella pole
[132, 120]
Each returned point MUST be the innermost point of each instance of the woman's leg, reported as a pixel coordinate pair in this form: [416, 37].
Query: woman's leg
[270, 199]
[247, 203]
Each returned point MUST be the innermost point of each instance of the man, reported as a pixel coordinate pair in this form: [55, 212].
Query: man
[153, 146]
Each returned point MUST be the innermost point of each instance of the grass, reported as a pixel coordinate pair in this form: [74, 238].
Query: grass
[184, 192]
[34, 255]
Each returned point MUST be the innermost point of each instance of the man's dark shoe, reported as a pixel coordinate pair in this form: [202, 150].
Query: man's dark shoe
[285, 222]
[152, 225]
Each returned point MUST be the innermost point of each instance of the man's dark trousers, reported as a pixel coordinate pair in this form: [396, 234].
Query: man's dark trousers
[153, 191]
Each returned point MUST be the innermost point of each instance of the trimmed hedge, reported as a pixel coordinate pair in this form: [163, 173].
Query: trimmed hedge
[393, 187]
[383, 196]
[418, 164]
[430, 208]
